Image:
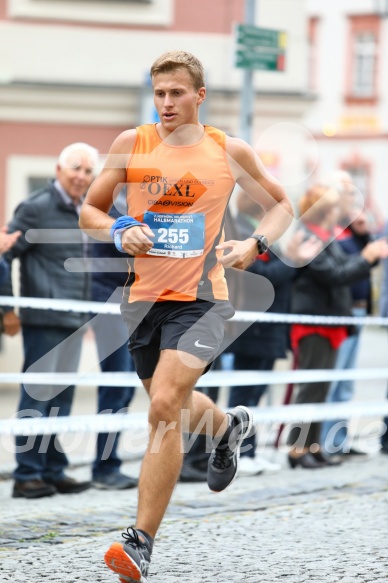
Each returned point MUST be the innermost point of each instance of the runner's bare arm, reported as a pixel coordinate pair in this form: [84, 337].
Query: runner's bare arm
[94, 216]
[252, 176]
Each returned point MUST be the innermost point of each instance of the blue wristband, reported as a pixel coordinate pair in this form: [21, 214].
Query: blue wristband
[117, 239]
[124, 222]
[119, 226]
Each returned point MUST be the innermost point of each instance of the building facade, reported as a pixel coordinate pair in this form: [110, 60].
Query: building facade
[77, 70]
[349, 75]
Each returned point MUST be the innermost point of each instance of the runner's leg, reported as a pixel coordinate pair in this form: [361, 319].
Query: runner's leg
[170, 391]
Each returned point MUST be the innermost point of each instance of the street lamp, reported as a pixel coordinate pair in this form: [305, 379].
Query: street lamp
[381, 8]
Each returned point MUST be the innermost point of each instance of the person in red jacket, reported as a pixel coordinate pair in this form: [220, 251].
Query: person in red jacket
[353, 235]
[322, 288]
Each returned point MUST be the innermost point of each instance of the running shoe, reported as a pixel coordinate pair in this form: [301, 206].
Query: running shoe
[131, 559]
[224, 460]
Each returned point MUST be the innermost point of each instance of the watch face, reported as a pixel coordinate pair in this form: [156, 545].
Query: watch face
[262, 243]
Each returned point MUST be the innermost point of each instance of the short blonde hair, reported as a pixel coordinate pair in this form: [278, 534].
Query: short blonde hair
[315, 204]
[172, 60]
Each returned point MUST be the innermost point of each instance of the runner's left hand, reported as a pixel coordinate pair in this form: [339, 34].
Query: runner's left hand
[242, 253]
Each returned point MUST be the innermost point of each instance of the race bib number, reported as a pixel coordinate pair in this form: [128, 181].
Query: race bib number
[176, 235]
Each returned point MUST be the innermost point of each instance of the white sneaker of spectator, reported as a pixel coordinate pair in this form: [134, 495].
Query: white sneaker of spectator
[267, 467]
[249, 466]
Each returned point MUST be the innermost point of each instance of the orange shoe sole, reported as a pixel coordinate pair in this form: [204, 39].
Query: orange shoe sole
[118, 561]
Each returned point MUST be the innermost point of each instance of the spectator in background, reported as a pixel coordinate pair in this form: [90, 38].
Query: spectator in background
[352, 234]
[110, 331]
[263, 343]
[334, 437]
[51, 339]
[384, 314]
[322, 288]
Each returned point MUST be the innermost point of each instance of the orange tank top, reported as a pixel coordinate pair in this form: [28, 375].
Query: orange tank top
[182, 193]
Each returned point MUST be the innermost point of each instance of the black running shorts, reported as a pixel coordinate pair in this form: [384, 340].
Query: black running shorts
[195, 327]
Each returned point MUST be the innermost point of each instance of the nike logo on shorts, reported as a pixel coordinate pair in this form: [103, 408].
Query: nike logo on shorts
[198, 345]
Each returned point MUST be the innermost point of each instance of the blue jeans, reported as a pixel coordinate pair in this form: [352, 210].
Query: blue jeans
[334, 433]
[45, 350]
[110, 332]
[249, 395]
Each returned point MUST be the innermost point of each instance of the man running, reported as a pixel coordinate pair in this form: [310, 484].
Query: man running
[180, 175]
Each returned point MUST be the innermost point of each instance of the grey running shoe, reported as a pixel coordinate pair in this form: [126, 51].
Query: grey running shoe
[114, 481]
[223, 462]
[130, 560]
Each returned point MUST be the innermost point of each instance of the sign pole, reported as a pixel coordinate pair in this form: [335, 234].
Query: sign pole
[247, 91]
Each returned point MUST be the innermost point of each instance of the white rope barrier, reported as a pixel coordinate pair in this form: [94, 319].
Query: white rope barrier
[61, 305]
[136, 422]
[211, 379]
[240, 316]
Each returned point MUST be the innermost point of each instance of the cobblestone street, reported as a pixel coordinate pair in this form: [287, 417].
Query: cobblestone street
[328, 525]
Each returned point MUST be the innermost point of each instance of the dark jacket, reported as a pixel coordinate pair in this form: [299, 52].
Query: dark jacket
[265, 340]
[353, 244]
[3, 270]
[323, 286]
[42, 265]
[105, 254]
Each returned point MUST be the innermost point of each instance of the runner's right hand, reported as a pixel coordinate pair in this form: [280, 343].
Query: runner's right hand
[136, 240]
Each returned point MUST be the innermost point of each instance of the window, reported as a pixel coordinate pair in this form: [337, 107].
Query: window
[360, 176]
[362, 79]
[313, 52]
[364, 63]
[37, 182]
[24, 175]
[360, 171]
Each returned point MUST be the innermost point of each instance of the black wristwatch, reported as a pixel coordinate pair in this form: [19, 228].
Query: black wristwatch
[262, 243]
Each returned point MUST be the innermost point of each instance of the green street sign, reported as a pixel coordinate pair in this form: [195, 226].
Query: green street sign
[247, 58]
[254, 36]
